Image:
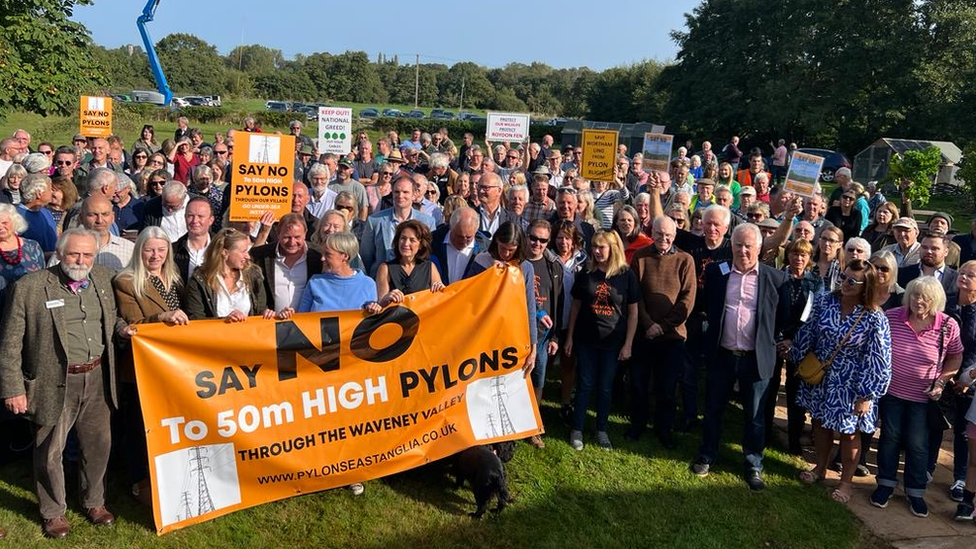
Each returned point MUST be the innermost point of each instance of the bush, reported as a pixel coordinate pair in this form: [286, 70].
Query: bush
[204, 115]
[277, 119]
[456, 128]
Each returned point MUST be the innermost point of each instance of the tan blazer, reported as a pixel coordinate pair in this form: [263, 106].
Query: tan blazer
[135, 310]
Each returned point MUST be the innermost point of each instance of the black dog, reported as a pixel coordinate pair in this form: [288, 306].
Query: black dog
[484, 469]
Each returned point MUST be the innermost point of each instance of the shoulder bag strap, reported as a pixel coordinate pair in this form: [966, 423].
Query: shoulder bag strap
[844, 341]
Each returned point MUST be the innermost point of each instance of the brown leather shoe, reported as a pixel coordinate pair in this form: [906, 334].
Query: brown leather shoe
[3, 533]
[100, 516]
[57, 528]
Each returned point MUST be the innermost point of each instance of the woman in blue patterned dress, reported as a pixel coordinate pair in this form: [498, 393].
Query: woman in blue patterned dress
[18, 256]
[846, 400]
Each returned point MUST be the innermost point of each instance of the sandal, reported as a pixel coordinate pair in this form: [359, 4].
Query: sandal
[840, 497]
[809, 477]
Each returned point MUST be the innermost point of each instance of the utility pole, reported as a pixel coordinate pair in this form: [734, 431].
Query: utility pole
[461, 104]
[416, 85]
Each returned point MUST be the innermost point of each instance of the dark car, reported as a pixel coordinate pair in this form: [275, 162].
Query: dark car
[369, 112]
[393, 113]
[833, 161]
[478, 119]
[416, 113]
[442, 115]
[277, 106]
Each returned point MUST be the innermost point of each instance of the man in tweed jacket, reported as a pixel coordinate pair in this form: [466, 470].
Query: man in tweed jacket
[57, 367]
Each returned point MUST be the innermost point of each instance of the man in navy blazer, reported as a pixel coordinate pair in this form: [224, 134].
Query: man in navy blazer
[455, 245]
[491, 212]
[745, 302]
[377, 243]
[932, 255]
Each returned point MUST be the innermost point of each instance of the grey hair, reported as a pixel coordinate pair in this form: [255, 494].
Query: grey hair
[438, 160]
[295, 122]
[928, 287]
[318, 169]
[174, 189]
[746, 227]
[722, 189]
[888, 259]
[33, 185]
[77, 231]
[344, 243]
[18, 221]
[715, 209]
[201, 170]
[103, 177]
[642, 197]
[426, 137]
[348, 196]
[516, 189]
[859, 243]
[761, 176]
[461, 214]
[15, 169]
[36, 163]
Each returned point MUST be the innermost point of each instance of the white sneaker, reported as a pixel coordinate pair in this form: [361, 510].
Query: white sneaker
[576, 440]
[357, 489]
[955, 491]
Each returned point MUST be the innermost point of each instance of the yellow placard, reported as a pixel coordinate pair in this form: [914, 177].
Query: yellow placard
[262, 176]
[95, 116]
[241, 414]
[599, 155]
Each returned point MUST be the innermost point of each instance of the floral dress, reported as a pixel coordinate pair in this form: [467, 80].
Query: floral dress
[27, 258]
[862, 368]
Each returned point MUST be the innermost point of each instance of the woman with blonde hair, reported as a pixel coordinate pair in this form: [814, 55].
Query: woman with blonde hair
[228, 285]
[585, 209]
[602, 323]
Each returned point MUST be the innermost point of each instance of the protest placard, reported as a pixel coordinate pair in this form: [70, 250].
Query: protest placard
[804, 173]
[657, 151]
[599, 155]
[241, 414]
[262, 176]
[95, 116]
[335, 130]
[505, 126]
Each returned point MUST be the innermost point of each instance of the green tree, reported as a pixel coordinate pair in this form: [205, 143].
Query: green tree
[191, 65]
[124, 71]
[255, 59]
[914, 172]
[45, 58]
[478, 91]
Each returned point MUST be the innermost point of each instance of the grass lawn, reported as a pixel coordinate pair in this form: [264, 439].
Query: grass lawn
[638, 495]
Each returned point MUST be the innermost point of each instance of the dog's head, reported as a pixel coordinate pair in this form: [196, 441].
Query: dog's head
[504, 450]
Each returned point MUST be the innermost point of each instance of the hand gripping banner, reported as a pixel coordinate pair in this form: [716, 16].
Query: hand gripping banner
[241, 414]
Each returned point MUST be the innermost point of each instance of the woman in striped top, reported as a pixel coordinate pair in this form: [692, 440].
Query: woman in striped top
[926, 352]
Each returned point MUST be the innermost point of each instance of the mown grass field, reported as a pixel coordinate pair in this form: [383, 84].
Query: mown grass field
[638, 495]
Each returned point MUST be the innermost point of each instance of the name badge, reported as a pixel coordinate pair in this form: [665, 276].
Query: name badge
[54, 303]
[724, 267]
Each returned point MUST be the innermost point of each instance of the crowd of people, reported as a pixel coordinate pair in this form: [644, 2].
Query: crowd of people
[710, 267]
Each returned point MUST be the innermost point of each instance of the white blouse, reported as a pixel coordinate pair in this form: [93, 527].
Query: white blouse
[226, 301]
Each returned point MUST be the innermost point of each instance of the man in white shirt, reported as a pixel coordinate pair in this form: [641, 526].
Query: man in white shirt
[191, 249]
[174, 200]
[456, 244]
[287, 264]
[322, 198]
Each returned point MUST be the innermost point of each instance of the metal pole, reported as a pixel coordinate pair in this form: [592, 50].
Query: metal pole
[461, 104]
[416, 85]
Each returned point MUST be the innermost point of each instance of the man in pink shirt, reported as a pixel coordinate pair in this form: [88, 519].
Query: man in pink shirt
[745, 302]
[779, 162]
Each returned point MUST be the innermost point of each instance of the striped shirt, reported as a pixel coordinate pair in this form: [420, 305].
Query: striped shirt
[603, 205]
[914, 356]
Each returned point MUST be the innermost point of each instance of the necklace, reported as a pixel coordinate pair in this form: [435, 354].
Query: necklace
[14, 258]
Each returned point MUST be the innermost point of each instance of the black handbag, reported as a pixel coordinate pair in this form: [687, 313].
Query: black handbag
[940, 413]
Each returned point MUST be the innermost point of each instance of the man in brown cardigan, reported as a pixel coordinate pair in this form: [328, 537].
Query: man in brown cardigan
[667, 280]
[57, 367]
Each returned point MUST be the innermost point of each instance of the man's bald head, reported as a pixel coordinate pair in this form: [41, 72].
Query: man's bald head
[97, 214]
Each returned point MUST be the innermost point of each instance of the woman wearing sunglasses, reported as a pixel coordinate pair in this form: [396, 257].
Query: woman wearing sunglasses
[849, 333]
[846, 216]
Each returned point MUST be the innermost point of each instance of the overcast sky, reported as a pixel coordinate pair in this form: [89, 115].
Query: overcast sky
[571, 33]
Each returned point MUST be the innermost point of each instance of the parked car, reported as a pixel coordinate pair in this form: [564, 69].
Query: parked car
[416, 113]
[369, 112]
[197, 101]
[393, 113]
[464, 115]
[442, 115]
[277, 106]
[833, 161]
[122, 98]
[478, 119]
[179, 102]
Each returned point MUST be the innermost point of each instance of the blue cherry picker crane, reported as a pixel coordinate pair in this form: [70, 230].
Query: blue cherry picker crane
[164, 95]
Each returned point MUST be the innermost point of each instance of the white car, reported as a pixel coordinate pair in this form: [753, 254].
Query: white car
[179, 102]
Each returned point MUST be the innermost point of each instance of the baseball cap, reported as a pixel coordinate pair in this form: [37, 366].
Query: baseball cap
[906, 223]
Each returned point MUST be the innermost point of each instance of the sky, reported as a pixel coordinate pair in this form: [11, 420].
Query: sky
[572, 33]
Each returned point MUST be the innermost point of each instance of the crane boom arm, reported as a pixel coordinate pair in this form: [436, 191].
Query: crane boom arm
[157, 68]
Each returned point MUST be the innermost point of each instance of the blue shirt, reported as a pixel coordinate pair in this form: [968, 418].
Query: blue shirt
[41, 227]
[329, 292]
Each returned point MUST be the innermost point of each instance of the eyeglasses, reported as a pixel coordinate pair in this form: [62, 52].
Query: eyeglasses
[431, 193]
[829, 240]
[678, 220]
[46, 153]
[846, 197]
[156, 161]
[140, 156]
[852, 250]
[386, 174]
[220, 152]
[63, 162]
[486, 188]
[346, 208]
[159, 183]
[538, 239]
[754, 215]
[882, 268]
[849, 280]
[510, 157]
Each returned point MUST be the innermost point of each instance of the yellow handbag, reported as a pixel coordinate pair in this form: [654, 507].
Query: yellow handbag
[811, 371]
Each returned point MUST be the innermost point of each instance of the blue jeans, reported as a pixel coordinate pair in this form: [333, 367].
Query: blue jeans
[594, 367]
[722, 375]
[903, 424]
[538, 374]
[664, 359]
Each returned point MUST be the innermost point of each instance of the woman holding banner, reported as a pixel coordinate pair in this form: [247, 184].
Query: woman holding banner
[228, 285]
[410, 270]
[148, 290]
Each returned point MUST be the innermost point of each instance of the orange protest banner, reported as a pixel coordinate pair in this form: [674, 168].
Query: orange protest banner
[262, 177]
[95, 116]
[238, 415]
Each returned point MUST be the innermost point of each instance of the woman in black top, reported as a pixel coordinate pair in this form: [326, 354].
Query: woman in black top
[846, 217]
[410, 270]
[802, 286]
[879, 233]
[964, 466]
